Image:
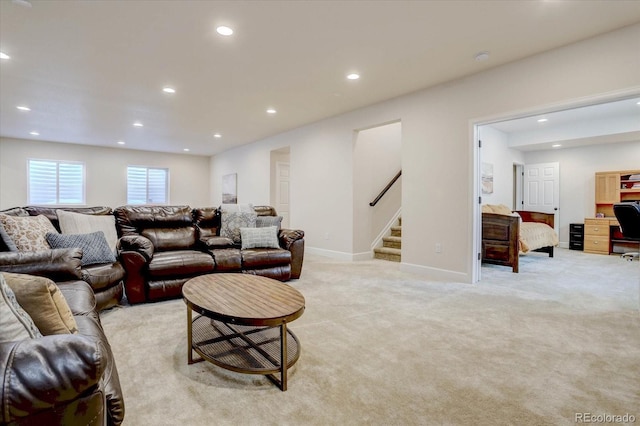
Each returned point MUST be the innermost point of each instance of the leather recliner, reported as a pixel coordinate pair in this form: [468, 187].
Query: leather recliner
[161, 247]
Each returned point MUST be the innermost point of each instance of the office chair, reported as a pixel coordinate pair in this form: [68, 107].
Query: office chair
[628, 215]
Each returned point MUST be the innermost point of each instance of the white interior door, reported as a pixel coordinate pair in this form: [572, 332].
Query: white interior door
[542, 189]
[282, 192]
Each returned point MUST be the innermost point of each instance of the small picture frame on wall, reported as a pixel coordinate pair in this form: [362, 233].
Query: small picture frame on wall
[487, 178]
[230, 189]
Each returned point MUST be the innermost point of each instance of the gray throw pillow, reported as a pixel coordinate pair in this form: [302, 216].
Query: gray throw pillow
[264, 221]
[95, 248]
[259, 237]
[231, 222]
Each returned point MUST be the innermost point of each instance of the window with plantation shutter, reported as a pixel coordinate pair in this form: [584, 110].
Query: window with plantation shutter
[53, 182]
[147, 185]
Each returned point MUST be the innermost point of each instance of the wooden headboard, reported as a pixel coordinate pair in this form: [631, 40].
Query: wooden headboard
[528, 216]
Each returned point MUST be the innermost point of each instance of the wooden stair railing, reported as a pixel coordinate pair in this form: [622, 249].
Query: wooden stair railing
[386, 188]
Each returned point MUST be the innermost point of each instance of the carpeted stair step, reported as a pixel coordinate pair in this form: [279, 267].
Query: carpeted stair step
[396, 231]
[387, 253]
[392, 242]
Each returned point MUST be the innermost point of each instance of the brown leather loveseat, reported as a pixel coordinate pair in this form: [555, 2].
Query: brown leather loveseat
[161, 247]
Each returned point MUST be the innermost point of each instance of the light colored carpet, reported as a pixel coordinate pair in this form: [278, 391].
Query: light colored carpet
[384, 347]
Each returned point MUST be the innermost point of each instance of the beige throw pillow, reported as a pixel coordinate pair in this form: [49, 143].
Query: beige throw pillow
[15, 323]
[42, 300]
[78, 223]
[28, 232]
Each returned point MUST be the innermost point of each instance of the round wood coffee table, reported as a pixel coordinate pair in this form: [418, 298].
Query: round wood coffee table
[242, 324]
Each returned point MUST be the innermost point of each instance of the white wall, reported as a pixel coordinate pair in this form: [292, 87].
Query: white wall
[438, 163]
[495, 150]
[105, 172]
[577, 176]
[376, 159]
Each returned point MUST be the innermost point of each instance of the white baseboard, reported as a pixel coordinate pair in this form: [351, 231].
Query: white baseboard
[366, 255]
[338, 255]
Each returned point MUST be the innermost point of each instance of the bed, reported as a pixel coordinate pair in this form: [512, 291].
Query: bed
[506, 235]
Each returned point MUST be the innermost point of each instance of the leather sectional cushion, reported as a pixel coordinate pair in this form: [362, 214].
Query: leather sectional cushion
[171, 238]
[265, 257]
[42, 300]
[228, 259]
[103, 276]
[180, 262]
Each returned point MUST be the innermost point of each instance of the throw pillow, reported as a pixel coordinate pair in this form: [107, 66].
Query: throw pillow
[27, 232]
[259, 237]
[264, 221]
[231, 222]
[78, 223]
[6, 240]
[94, 246]
[42, 300]
[237, 208]
[15, 323]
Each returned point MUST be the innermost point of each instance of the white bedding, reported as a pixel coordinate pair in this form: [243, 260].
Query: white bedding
[535, 235]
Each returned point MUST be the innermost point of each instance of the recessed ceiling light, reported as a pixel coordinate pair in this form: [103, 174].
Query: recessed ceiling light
[542, 120]
[353, 76]
[23, 108]
[225, 31]
[34, 133]
[482, 56]
[186, 150]
[556, 145]
[168, 90]
[217, 135]
[120, 142]
[271, 111]
[638, 103]
[4, 56]
[138, 124]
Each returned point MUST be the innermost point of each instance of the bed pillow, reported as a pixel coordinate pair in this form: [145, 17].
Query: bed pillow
[15, 322]
[78, 223]
[266, 237]
[94, 246]
[42, 300]
[231, 222]
[264, 221]
[28, 233]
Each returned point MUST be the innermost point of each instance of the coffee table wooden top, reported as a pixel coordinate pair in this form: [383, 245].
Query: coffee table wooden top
[243, 299]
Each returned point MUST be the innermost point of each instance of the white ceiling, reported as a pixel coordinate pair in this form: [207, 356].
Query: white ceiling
[89, 69]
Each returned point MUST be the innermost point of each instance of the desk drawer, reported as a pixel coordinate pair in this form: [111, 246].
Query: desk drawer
[596, 244]
[597, 230]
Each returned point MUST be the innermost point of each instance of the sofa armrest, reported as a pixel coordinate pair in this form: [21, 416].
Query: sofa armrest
[40, 374]
[293, 240]
[61, 264]
[137, 243]
[289, 236]
[216, 242]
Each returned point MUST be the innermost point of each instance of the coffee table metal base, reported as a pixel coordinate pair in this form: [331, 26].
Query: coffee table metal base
[244, 349]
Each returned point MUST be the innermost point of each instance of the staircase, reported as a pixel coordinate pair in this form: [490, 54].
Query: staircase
[391, 245]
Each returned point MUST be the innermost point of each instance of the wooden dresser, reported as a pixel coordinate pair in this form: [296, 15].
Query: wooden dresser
[597, 235]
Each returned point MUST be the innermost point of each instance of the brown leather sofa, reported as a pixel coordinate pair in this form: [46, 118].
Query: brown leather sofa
[161, 247]
[105, 279]
[62, 379]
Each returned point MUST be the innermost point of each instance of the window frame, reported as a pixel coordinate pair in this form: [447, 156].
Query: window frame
[57, 163]
[166, 187]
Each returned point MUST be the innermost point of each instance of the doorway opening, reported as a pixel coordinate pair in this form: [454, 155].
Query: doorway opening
[281, 184]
